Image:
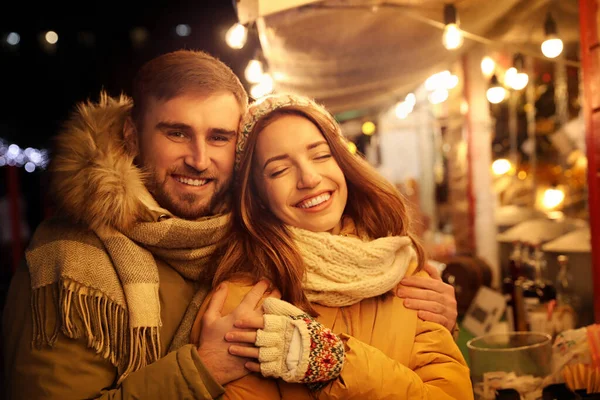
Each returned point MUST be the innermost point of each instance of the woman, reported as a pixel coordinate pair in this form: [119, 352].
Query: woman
[334, 237]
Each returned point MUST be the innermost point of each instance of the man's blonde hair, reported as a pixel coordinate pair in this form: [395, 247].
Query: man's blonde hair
[183, 71]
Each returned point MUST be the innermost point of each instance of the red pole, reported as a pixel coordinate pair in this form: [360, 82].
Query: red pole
[469, 129]
[14, 212]
[590, 57]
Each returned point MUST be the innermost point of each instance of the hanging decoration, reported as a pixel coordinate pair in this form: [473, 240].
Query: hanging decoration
[452, 37]
[552, 46]
[496, 92]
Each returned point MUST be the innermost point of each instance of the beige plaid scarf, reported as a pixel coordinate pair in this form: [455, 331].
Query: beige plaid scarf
[107, 290]
[94, 276]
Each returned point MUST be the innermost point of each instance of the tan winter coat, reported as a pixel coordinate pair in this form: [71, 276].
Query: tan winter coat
[70, 369]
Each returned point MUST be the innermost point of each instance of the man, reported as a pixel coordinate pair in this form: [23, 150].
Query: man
[111, 285]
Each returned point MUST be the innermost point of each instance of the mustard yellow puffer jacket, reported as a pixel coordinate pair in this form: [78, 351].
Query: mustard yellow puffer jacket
[390, 354]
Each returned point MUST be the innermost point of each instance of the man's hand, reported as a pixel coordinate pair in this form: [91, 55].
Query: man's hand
[434, 299]
[213, 349]
[248, 336]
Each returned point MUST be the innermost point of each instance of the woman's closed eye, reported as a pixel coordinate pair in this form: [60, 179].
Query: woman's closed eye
[278, 172]
[323, 156]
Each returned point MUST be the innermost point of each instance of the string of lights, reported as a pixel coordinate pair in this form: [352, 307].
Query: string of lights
[256, 72]
[438, 85]
[30, 159]
[452, 39]
[50, 39]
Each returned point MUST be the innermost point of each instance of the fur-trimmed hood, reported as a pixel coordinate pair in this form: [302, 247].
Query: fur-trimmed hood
[94, 179]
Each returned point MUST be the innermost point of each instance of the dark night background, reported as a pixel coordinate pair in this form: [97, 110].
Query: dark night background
[40, 89]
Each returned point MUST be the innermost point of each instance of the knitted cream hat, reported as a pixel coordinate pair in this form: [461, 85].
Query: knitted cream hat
[266, 105]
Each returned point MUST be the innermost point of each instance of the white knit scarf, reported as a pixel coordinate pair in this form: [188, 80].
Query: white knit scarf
[343, 270]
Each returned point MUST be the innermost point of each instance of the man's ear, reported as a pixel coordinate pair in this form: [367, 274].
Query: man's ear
[130, 137]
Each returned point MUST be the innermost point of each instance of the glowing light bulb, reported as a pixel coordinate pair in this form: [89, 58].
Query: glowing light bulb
[509, 75]
[553, 198]
[520, 81]
[352, 147]
[368, 128]
[452, 37]
[403, 109]
[13, 38]
[552, 47]
[451, 82]
[183, 30]
[496, 93]
[441, 80]
[13, 151]
[516, 80]
[262, 88]
[501, 166]
[236, 36]
[51, 37]
[438, 96]
[254, 71]
[139, 35]
[488, 65]
[432, 82]
[35, 156]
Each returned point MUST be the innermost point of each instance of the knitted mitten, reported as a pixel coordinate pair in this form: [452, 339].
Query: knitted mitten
[296, 348]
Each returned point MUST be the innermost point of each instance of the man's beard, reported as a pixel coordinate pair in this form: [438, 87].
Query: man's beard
[187, 206]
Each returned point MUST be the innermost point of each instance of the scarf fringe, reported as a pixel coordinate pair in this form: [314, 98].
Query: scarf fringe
[78, 311]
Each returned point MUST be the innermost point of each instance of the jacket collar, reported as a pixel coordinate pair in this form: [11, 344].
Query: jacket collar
[94, 179]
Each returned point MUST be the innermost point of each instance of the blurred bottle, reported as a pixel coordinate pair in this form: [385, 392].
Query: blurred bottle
[515, 260]
[565, 291]
[526, 296]
[538, 293]
[545, 289]
[527, 268]
[520, 322]
[508, 284]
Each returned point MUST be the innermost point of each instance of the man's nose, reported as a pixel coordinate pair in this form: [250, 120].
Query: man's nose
[197, 157]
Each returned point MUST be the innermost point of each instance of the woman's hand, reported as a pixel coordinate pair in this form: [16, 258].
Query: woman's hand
[291, 345]
[434, 299]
